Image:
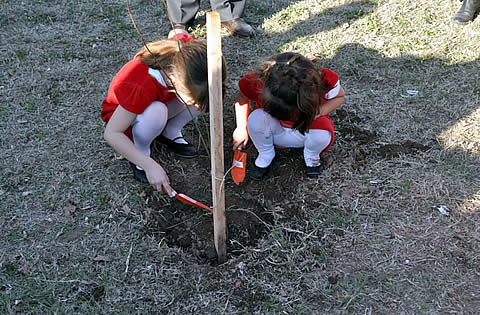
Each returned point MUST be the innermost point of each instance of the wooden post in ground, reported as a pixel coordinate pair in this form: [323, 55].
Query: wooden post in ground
[214, 57]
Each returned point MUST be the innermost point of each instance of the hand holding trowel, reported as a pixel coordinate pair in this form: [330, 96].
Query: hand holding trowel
[240, 138]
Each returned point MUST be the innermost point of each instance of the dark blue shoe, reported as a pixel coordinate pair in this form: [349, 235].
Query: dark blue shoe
[259, 172]
[313, 171]
[139, 175]
[183, 150]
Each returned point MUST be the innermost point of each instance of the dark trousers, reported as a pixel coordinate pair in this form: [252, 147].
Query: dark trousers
[184, 11]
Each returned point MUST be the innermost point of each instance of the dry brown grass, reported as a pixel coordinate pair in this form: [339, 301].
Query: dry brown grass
[79, 235]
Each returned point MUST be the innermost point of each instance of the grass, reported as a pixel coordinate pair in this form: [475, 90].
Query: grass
[82, 237]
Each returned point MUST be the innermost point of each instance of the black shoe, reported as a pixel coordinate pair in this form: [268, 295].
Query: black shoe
[184, 150]
[139, 175]
[258, 172]
[313, 171]
[238, 28]
[467, 11]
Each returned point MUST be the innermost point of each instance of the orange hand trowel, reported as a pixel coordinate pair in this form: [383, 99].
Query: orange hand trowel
[238, 166]
[189, 201]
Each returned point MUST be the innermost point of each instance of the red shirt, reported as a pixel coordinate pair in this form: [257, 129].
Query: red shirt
[252, 87]
[135, 89]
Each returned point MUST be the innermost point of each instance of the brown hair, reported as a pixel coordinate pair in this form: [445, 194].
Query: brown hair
[187, 62]
[293, 88]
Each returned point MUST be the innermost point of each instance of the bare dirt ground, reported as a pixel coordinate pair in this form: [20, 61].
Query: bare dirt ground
[392, 225]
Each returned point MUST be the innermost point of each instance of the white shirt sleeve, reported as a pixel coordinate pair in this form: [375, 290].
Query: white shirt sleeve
[334, 91]
[157, 75]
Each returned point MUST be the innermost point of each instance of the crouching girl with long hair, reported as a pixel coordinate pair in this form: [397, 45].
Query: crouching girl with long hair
[148, 98]
[294, 98]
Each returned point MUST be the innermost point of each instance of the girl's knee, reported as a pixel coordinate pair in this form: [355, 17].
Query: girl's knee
[318, 139]
[151, 122]
[157, 109]
[258, 120]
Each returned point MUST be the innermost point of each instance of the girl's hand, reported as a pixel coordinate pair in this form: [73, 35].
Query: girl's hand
[322, 111]
[240, 138]
[115, 136]
[158, 179]
[332, 104]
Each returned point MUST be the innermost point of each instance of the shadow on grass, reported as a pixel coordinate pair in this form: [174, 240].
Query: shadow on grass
[417, 105]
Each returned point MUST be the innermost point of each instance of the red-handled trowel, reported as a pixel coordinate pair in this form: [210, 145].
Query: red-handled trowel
[189, 201]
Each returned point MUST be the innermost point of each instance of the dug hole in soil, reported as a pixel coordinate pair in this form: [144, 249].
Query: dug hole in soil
[248, 206]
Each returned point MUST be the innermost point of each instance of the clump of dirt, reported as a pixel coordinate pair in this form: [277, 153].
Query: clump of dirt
[346, 126]
[389, 151]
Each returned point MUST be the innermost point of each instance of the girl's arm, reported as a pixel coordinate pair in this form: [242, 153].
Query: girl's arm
[240, 134]
[120, 121]
[332, 104]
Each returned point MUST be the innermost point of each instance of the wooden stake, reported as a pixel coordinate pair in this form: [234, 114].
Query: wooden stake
[214, 58]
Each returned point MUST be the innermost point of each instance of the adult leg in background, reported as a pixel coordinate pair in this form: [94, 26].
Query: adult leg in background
[231, 12]
[228, 10]
[183, 12]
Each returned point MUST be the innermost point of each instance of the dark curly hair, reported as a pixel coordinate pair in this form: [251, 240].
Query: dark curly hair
[293, 88]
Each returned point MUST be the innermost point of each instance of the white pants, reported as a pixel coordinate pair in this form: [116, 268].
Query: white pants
[266, 131]
[159, 118]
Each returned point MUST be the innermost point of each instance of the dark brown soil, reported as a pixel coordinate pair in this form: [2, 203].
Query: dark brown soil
[248, 210]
